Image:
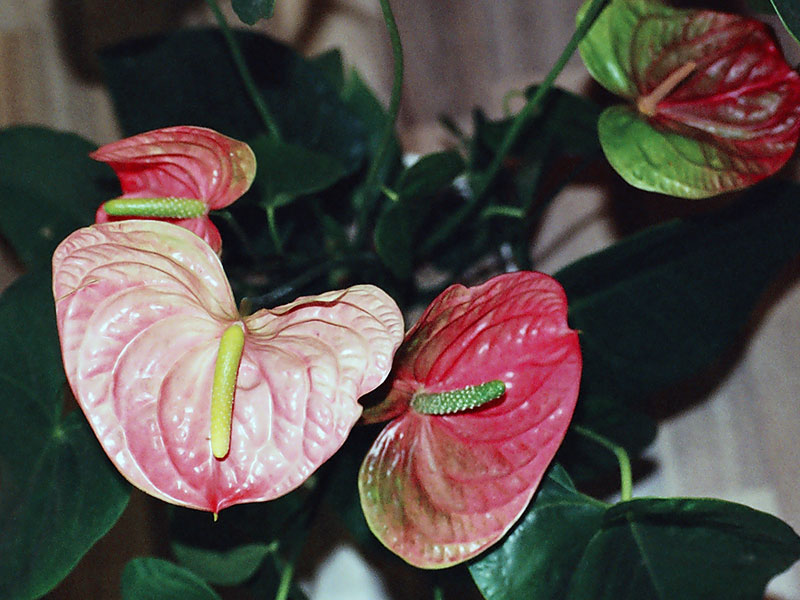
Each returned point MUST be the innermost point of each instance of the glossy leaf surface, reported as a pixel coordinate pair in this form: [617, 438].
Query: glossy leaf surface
[181, 162]
[59, 494]
[437, 490]
[729, 122]
[537, 558]
[688, 548]
[141, 308]
[288, 170]
[571, 547]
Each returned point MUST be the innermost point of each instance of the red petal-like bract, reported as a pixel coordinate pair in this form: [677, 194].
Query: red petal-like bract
[438, 490]
[141, 306]
[742, 96]
[181, 162]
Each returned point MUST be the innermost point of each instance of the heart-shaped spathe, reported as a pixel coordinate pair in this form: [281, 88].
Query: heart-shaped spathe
[141, 307]
[438, 489]
[714, 106]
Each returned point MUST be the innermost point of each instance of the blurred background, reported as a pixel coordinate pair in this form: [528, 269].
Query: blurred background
[731, 434]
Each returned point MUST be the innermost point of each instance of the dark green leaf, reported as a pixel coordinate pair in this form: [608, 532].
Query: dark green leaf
[231, 567]
[396, 233]
[49, 187]
[659, 307]
[286, 171]
[59, 493]
[789, 13]
[761, 6]
[570, 546]
[536, 560]
[566, 124]
[394, 239]
[359, 98]
[331, 64]
[662, 305]
[157, 579]
[429, 175]
[251, 11]
[189, 77]
[692, 549]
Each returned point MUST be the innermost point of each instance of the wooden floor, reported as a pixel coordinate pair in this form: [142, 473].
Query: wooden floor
[740, 444]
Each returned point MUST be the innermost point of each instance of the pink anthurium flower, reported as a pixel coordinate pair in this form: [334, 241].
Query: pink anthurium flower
[177, 174]
[482, 392]
[194, 402]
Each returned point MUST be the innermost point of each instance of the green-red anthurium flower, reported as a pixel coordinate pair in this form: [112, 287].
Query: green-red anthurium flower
[712, 104]
[482, 391]
[198, 404]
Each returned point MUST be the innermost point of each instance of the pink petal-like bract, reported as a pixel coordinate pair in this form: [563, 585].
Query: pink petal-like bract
[141, 306]
[181, 162]
[438, 490]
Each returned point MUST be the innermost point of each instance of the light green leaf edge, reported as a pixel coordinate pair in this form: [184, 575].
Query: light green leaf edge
[789, 14]
[661, 161]
[606, 49]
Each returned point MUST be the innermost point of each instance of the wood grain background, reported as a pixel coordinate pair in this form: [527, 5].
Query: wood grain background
[732, 434]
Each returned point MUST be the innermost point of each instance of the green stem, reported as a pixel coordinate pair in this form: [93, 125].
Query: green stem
[483, 181]
[438, 593]
[625, 474]
[499, 210]
[394, 102]
[273, 230]
[244, 72]
[238, 231]
[285, 584]
[534, 105]
[369, 191]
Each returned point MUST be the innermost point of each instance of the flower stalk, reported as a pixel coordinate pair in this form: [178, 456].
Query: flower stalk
[648, 104]
[625, 472]
[244, 71]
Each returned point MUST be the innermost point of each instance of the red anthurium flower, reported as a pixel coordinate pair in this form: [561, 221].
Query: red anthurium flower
[194, 402]
[482, 391]
[177, 174]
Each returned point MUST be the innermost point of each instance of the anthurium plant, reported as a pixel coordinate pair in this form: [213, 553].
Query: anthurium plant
[226, 311]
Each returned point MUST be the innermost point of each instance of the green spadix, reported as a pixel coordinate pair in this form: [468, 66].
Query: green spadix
[454, 401]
